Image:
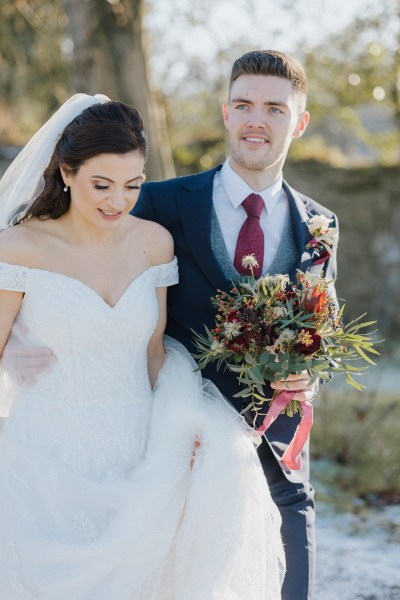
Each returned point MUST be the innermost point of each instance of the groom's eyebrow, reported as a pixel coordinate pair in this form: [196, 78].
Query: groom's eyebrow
[241, 100]
[266, 103]
[112, 181]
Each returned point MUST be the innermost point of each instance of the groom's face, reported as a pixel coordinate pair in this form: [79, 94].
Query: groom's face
[262, 116]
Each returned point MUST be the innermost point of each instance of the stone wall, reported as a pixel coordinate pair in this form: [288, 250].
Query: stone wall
[367, 203]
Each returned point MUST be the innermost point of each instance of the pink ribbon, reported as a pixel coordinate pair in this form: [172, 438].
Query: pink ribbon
[291, 457]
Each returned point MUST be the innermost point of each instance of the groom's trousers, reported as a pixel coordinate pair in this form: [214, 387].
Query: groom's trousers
[296, 504]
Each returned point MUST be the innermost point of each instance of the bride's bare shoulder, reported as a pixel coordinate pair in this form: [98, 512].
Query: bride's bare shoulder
[148, 227]
[19, 244]
[156, 240]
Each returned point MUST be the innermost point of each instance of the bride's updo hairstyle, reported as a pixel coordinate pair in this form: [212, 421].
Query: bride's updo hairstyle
[108, 128]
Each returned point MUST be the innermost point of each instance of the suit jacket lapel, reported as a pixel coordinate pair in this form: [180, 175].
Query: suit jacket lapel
[300, 216]
[195, 206]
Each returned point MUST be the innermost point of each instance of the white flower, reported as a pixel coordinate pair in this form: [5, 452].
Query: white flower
[280, 281]
[217, 347]
[287, 335]
[310, 280]
[331, 236]
[232, 329]
[249, 262]
[319, 224]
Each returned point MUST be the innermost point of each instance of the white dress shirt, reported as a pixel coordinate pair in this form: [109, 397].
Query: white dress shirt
[229, 191]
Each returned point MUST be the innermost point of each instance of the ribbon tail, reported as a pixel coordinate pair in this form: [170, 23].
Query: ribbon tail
[278, 404]
[291, 457]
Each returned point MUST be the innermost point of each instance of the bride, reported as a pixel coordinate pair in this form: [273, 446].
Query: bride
[123, 474]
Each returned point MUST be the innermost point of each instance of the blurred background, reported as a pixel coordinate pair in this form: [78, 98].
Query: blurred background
[172, 60]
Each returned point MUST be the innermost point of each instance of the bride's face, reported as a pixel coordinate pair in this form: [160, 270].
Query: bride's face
[105, 188]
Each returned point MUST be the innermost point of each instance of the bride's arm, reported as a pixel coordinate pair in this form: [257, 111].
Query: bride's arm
[24, 362]
[10, 303]
[155, 349]
[162, 252]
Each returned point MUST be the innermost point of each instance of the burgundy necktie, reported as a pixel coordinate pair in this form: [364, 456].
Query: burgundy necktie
[251, 236]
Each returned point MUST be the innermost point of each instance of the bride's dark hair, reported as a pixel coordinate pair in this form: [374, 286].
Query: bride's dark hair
[109, 128]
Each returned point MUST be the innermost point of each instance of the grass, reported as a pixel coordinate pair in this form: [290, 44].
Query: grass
[355, 445]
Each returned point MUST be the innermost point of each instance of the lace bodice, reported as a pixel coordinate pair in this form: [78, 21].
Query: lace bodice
[82, 329]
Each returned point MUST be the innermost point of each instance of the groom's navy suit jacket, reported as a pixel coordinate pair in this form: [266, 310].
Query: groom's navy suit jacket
[184, 206]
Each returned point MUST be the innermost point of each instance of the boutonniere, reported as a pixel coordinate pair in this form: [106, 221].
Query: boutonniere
[324, 238]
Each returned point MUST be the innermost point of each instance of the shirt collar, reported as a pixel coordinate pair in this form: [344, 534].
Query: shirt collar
[237, 189]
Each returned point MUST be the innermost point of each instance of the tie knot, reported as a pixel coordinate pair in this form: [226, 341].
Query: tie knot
[253, 205]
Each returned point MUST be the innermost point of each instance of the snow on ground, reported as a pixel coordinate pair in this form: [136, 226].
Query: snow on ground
[358, 556]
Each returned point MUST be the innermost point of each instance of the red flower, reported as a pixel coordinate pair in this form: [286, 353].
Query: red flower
[317, 302]
[309, 342]
[237, 345]
[281, 296]
[232, 316]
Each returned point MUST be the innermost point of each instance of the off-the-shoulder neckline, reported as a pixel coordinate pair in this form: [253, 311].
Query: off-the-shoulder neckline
[88, 287]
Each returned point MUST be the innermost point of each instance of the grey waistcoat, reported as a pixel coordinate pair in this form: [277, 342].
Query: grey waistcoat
[285, 261]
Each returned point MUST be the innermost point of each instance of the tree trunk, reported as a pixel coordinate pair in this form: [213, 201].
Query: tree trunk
[110, 58]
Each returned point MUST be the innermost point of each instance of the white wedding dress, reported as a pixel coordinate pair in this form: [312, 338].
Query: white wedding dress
[98, 500]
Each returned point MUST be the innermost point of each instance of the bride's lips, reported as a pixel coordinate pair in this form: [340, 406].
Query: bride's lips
[110, 215]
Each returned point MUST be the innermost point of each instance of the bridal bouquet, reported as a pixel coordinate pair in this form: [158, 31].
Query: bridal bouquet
[267, 329]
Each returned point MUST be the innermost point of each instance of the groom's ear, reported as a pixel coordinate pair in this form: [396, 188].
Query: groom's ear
[225, 113]
[302, 123]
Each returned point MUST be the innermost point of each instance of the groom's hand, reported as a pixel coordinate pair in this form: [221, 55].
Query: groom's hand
[299, 384]
[25, 364]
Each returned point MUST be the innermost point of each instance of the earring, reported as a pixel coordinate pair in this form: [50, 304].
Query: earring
[66, 189]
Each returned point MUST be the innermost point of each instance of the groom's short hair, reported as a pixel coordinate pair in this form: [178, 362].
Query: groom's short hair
[271, 62]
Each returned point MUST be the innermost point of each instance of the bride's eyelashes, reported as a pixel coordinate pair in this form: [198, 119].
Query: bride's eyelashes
[106, 187]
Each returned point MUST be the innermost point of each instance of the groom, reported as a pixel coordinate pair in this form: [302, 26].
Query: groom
[205, 213]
